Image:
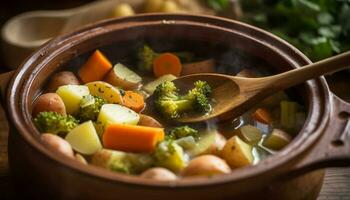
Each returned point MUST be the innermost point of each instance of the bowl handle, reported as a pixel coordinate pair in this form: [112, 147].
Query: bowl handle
[333, 148]
[4, 80]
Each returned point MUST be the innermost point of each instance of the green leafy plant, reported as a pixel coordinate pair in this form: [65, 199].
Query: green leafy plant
[319, 28]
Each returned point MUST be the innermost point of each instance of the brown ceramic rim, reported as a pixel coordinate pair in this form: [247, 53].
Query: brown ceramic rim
[20, 115]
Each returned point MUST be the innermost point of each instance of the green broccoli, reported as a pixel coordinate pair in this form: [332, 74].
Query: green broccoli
[170, 155]
[90, 108]
[172, 105]
[182, 131]
[52, 122]
[146, 55]
[199, 96]
[122, 162]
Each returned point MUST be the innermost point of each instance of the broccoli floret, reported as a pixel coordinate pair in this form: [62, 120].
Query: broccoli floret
[172, 105]
[199, 96]
[52, 122]
[182, 131]
[146, 56]
[122, 162]
[90, 108]
[170, 155]
[168, 101]
[203, 87]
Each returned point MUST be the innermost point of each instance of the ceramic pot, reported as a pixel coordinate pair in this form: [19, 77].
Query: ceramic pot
[291, 174]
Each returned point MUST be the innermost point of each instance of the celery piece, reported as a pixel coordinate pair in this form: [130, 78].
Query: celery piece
[288, 114]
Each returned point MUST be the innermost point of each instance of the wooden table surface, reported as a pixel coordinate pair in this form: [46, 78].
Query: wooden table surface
[336, 184]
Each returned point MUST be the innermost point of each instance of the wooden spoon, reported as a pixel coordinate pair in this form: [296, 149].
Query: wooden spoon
[234, 95]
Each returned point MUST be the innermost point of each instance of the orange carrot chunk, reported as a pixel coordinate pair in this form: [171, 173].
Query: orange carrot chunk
[167, 63]
[132, 138]
[262, 115]
[95, 68]
[134, 101]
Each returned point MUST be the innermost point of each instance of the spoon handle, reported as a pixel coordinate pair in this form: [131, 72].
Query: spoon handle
[296, 76]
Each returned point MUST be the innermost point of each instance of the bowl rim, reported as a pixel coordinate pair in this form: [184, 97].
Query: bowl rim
[277, 163]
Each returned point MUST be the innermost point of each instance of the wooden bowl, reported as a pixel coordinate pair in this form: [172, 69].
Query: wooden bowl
[290, 174]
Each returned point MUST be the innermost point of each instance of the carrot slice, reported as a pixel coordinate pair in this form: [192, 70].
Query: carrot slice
[262, 115]
[167, 63]
[132, 138]
[133, 101]
[95, 68]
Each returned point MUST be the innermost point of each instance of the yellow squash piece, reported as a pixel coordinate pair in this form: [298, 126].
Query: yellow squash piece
[106, 91]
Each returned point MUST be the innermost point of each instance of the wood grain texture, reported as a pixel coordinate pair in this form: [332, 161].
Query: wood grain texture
[336, 185]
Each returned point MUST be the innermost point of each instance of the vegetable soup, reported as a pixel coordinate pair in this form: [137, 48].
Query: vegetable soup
[122, 115]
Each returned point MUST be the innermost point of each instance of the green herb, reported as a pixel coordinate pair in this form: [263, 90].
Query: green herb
[319, 28]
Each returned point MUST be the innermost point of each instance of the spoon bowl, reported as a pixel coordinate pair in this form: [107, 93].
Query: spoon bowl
[233, 95]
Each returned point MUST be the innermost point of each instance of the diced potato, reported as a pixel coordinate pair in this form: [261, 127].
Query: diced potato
[84, 139]
[60, 79]
[123, 77]
[206, 165]
[72, 95]
[205, 66]
[58, 144]
[49, 102]
[151, 86]
[249, 134]
[106, 91]
[146, 120]
[114, 113]
[123, 10]
[277, 140]
[237, 153]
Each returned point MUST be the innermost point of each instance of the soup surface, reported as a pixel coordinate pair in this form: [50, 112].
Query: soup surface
[121, 114]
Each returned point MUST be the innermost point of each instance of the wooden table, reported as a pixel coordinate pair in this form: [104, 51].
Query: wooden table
[336, 184]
